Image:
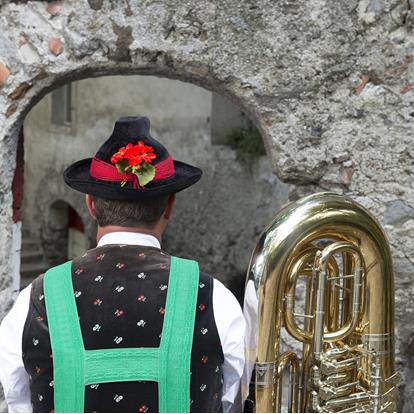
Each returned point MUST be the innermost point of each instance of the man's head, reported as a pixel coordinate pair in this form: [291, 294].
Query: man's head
[151, 214]
[131, 165]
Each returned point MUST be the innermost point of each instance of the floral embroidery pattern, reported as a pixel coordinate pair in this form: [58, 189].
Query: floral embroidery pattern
[96, 327]
[135, 293]
[118, 339]
[118, 398]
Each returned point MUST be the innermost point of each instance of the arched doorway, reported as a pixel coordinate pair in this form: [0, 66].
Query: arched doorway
[198, 126]
[23, 89]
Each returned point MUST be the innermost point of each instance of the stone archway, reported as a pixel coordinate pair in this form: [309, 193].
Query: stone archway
[328, 85]
[23, 90]
[195, 125]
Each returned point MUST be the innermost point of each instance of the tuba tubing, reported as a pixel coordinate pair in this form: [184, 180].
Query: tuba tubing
[269, 302]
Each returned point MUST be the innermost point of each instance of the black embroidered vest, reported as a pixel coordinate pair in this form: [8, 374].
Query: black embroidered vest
[120, 295]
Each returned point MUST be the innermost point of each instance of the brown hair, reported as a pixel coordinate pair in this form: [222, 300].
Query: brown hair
[144, 213]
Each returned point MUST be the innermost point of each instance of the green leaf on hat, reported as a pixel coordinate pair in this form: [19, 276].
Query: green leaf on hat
[146, 174]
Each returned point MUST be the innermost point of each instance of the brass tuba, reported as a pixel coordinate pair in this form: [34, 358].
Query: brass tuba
[336, 344]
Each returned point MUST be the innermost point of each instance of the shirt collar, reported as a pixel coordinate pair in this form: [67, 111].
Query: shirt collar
[127, 237]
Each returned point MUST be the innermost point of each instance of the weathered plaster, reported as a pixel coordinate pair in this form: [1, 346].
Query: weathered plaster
[329, 84]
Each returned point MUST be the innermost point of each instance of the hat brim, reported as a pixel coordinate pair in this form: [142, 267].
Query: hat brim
[77, 176]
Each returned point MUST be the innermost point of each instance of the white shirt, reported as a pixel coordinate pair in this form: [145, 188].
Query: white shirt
[227, 314]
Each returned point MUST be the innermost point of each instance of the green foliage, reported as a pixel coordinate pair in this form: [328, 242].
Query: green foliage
[247, 143]
[146, 174]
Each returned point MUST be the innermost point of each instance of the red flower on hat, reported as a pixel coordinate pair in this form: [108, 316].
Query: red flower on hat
[136, 159]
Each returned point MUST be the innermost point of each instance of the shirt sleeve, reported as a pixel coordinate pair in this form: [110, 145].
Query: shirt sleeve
[231, 329]
[13, 376]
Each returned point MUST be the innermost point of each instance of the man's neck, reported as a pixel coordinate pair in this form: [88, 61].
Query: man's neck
[112, 229]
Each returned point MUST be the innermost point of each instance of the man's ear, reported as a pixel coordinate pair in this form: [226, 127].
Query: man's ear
[91, 205]
[170, 206]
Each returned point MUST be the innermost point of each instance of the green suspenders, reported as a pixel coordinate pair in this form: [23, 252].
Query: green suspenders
[169, 365]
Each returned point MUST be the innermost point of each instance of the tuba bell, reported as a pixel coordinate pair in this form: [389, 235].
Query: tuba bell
[319, 308]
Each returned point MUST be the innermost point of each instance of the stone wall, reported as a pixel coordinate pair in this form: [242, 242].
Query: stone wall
[329, 84]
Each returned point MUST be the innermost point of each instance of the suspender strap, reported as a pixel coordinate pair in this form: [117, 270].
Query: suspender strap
[65, 338]
[177, 337]
[169, 365]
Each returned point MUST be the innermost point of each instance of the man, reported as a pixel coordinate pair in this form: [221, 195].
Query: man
[126, 327]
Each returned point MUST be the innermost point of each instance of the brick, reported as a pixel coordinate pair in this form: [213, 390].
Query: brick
[4, 73]
[55, 46]
[54, 7]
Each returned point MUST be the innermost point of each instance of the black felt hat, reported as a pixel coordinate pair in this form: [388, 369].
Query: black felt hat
[98, 176]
